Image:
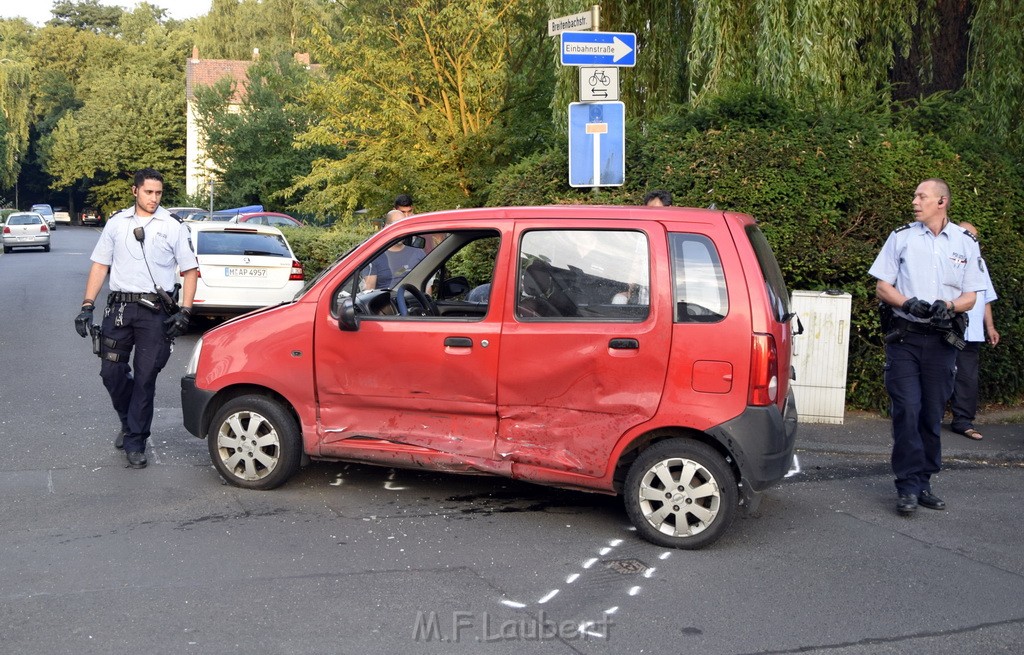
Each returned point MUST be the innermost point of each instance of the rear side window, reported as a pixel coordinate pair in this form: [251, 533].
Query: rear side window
[700, 292]
[775, 285]
[597, 275]
[242, 243]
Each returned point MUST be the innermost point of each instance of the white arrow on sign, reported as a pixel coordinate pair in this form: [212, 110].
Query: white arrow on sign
[621, 49]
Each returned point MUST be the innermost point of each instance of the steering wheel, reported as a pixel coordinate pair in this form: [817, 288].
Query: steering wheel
[429, 308]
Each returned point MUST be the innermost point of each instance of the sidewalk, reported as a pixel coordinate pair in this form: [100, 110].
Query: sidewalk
[867, 433]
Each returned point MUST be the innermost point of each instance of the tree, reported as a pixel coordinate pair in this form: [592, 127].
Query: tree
[414, 96]
[234, 28]
[109, 105]
[15, 89]
[253, 148]
[86, 15]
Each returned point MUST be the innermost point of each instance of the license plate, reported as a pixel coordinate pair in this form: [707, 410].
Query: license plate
[237, 271]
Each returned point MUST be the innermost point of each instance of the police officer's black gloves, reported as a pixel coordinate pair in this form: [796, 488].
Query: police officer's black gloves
[918, 308]
[84, 320]
[941, 312]
[177, 324]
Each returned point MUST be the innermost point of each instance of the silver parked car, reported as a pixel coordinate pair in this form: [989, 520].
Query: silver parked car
[47, 213]
[26, 230]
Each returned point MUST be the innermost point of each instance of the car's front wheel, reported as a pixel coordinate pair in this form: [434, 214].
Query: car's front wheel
[255, 443]
[681, 493]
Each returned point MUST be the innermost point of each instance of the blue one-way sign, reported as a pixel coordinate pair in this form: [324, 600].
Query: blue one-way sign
[598, 49]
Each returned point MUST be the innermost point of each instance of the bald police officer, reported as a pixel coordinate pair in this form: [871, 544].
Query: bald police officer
[142, 248]
[928, 272]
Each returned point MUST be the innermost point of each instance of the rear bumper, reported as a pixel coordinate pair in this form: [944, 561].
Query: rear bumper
[30, 242]
[194, 402]
[762, 440]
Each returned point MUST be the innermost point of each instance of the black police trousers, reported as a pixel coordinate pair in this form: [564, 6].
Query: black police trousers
[919, 372]
[132, 386]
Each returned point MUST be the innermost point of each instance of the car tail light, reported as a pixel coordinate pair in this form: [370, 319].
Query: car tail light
[297, 273]
[7, 230]
[764, 370]
[43, 228]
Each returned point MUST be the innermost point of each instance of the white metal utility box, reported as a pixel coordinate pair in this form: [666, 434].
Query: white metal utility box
[821, 354]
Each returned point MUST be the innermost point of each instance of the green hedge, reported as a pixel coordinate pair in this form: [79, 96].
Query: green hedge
[827, 189]
[318, 247]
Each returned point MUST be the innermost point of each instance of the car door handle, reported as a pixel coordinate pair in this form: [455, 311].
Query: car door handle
[458, 342]
[624, 344]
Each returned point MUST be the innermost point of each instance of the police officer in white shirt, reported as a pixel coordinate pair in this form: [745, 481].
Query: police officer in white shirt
[980, 329]
[142, 248]
[928, 272]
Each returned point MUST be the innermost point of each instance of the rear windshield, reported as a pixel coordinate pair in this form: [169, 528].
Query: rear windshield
[23, 219]
[778, 295]
[242, 243]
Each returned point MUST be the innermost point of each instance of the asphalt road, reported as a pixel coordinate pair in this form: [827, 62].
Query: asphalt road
[97, 558]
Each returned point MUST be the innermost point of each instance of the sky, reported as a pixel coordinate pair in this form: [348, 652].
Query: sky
[38, 11]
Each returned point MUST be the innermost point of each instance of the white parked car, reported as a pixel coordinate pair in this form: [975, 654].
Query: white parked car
[242, 267]
[26, 230]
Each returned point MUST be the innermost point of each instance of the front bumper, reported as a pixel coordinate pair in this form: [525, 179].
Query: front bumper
[194, 402]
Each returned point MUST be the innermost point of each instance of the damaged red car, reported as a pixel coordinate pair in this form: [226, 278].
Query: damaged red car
[639, 351]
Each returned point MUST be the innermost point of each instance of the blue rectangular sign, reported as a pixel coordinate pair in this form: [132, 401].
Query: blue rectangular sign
[597, 144]
[598, 49]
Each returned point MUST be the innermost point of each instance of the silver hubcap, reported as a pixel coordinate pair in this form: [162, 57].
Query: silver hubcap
[679, 497]
[248, 445]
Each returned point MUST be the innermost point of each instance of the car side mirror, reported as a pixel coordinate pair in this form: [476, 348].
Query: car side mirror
[348, 321]
[454, 287]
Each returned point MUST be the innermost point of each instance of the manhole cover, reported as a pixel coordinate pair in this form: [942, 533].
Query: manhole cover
[626, 566]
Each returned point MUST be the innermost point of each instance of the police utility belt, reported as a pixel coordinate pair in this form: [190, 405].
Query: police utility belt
[125, 296]
[952, 334]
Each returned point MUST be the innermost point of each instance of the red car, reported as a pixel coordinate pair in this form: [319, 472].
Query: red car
[273, 219]
[638, 351]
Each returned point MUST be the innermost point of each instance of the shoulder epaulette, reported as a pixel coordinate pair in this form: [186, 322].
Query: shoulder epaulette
[973, 238]
[905, 227]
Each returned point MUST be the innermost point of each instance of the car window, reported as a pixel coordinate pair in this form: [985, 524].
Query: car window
[241, 243]
[775, 284]
[585, 275]
[698, 281]
[453, 272]
[23, 219]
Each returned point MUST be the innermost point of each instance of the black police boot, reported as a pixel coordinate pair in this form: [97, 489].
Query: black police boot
[906, 504]
[136, 460]
[931, 501]
[119, 440]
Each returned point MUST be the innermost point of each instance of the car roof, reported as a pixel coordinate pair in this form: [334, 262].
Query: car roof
[576, 212]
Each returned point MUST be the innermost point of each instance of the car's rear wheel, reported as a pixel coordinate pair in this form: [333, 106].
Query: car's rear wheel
[681, 493]
[255, 443]
[46, 248]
